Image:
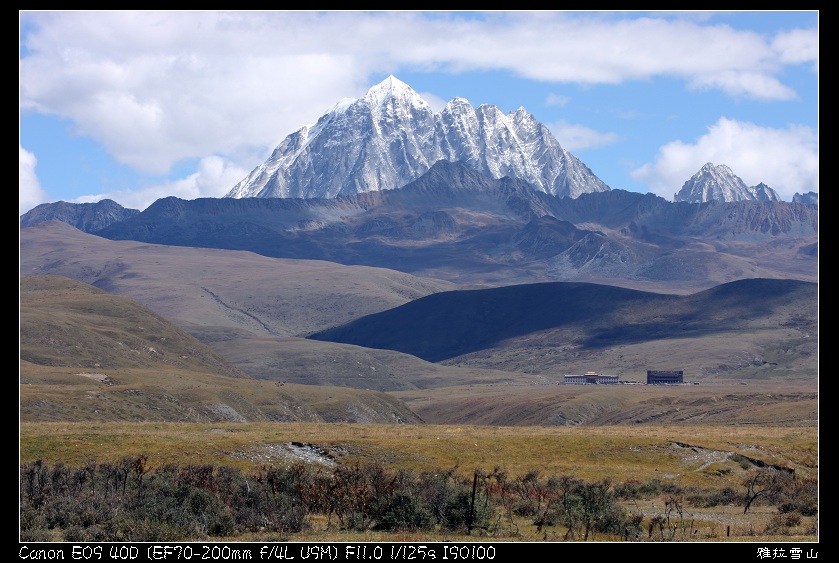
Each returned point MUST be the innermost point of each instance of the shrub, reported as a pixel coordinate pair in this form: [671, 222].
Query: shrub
[634, 490]
[781, 523]
[714, 497]
[404, 510]
[801, 497]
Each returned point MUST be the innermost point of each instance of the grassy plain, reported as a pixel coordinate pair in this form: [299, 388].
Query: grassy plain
[694, 455]
[691, 457]
[102, 379]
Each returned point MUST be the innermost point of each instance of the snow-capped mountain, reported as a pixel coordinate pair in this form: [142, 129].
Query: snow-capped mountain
[391, 137]
[719, 183]
[810, 198]
[762, 192]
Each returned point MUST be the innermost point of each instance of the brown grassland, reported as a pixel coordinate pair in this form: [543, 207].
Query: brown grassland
[102, 379]
[695, 456]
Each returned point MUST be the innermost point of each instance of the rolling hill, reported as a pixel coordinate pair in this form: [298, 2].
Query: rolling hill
[87, 355]
[455, 224]
[753, 328]
[499, 351]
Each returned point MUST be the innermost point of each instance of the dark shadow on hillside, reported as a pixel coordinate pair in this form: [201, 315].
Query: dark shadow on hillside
[450, 324]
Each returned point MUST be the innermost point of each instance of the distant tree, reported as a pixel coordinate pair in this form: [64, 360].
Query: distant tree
[762, 483]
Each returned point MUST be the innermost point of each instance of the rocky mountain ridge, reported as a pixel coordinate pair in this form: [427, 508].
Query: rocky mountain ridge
[391, 136]
[719, 183]
[456, 224]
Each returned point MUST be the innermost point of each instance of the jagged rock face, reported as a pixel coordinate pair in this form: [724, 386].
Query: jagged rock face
[391, 137]
[88, 217]
[458, 224]
[762, 192]
[809, 198]
[719, 183]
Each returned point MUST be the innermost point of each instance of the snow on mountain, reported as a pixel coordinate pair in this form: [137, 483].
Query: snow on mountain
[391, 137]
[810, 198]
[719, 183]
[762, 192]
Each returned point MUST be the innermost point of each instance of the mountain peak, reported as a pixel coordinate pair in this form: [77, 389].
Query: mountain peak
[710, 168]
[390, 84]
[392, 87]
[719, 183]
[391, 137]
[811, 198]
[762, 192]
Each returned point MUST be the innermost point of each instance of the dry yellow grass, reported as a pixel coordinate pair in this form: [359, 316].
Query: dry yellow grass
[689, 455]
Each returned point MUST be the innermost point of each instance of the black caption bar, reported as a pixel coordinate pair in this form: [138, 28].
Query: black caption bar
[383, 551]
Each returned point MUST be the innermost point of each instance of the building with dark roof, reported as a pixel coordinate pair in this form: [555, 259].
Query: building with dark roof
[665, 377]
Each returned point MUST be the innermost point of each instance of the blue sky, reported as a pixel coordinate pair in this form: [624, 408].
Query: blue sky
[138, 105]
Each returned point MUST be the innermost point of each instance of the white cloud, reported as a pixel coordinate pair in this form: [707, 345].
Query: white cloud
[436, 102]
[787, 160]
[214, 178]
[576, 137]
[30, 192]
[159, 87]
[556, 100]
[605, 49]
[742, 83]
[798, 46]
